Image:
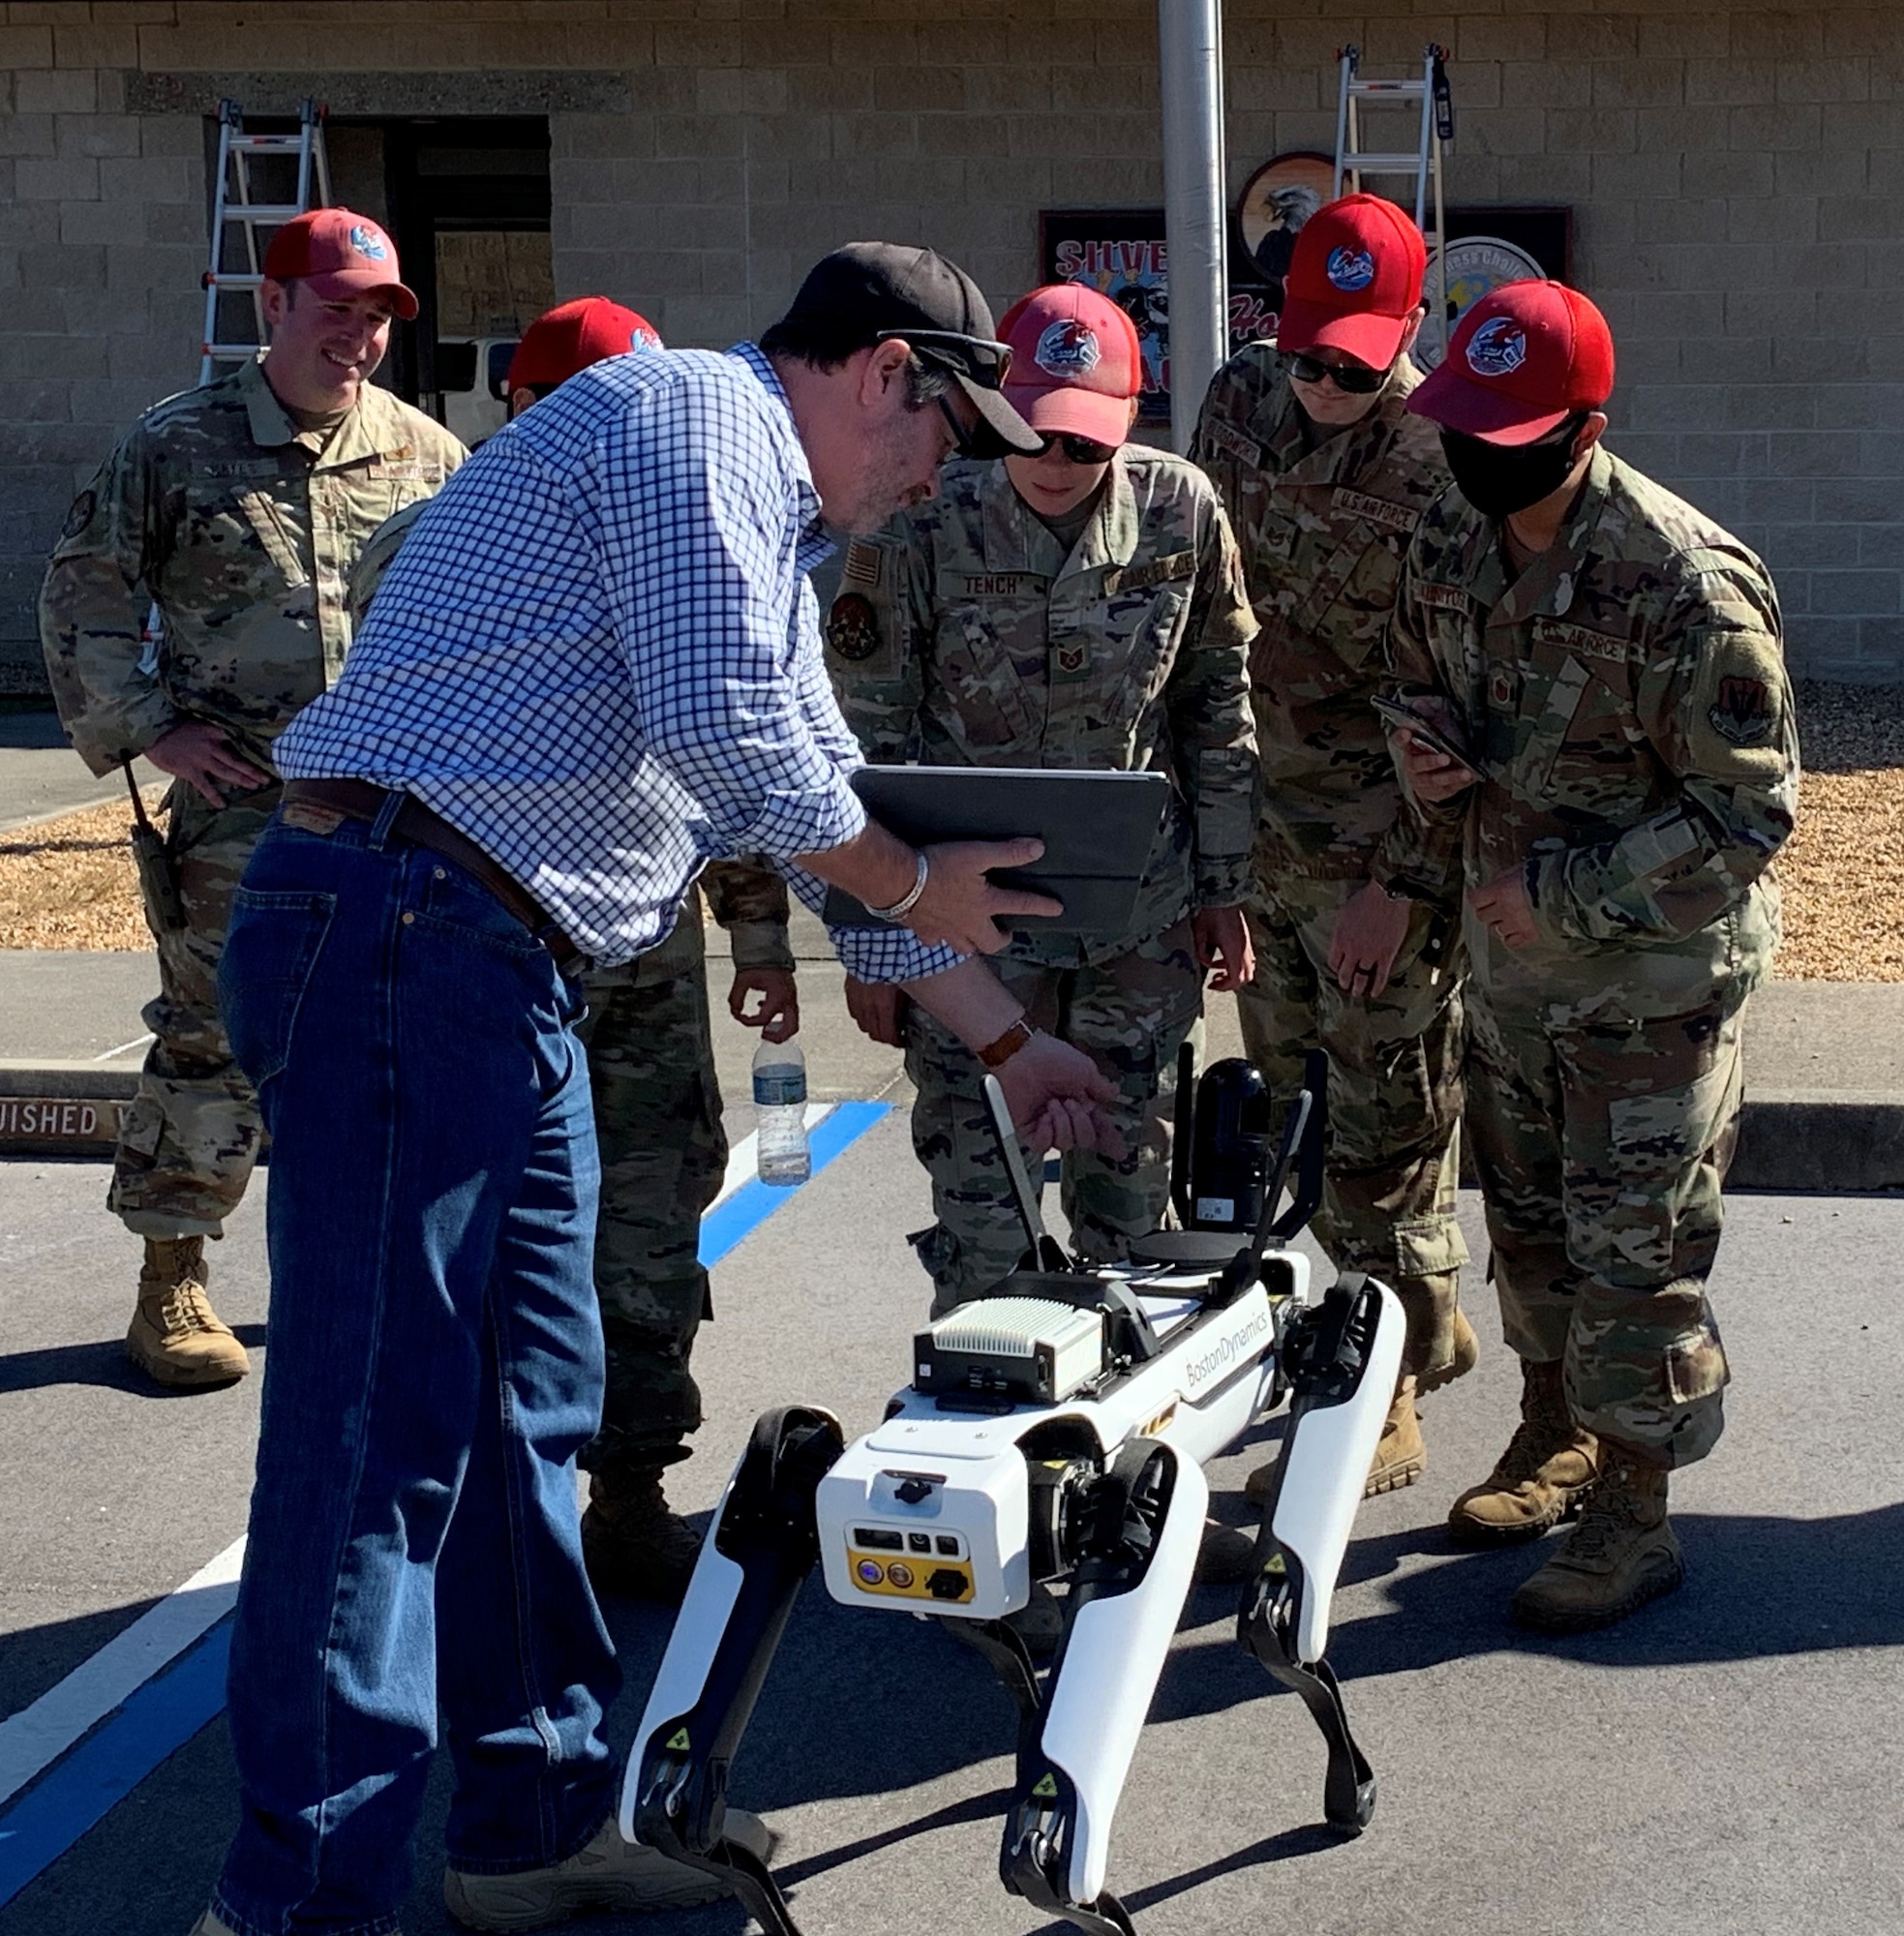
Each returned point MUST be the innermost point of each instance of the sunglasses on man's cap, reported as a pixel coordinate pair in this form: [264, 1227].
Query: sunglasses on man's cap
[975, 356]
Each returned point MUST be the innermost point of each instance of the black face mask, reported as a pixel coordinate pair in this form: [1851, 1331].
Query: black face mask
[1498, 481]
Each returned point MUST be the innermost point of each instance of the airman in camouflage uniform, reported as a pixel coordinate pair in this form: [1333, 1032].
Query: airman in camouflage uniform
[1623, 694]
[241, 525]
[658, 1102]
[663, 1155]
[1323, 511]
[970, 634]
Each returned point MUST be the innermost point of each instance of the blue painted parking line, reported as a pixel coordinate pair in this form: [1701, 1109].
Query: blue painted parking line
[738, 1215]
[108, 1765]
[165, 1713]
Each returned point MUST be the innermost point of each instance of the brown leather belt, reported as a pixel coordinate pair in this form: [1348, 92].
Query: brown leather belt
[416, 826]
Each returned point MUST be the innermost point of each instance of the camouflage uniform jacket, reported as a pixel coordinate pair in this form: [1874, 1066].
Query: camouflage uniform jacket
[1323, 533]
[1627, 697]
[243, 528]
[964, 636]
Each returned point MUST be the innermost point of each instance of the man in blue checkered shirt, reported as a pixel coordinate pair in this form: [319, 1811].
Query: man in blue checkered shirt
[594, 663]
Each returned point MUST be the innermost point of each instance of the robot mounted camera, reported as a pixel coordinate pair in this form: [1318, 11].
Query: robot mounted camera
[1056, 1429]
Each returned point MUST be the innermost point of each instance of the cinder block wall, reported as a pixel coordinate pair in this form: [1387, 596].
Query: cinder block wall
[1737, 181]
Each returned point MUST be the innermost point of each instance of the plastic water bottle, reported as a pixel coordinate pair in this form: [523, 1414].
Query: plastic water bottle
[781, 1152]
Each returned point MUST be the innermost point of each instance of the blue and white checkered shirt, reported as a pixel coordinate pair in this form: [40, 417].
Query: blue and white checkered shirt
[598, 656]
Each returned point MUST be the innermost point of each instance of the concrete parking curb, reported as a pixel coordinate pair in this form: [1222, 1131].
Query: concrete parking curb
[1833, 1142]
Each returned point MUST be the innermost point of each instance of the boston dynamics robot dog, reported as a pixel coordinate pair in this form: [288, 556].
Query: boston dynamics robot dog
[1055, 1431]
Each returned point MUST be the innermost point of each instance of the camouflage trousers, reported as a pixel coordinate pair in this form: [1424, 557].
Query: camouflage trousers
[1395, 1096]
[663, 1155]
[188, 1141]
[1601, 1149]
[1130, 1015]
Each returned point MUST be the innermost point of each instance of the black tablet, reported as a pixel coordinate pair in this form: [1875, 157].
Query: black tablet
[1098, 830]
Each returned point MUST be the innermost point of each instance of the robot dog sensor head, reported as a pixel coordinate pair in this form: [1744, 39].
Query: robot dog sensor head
[1230, 1143]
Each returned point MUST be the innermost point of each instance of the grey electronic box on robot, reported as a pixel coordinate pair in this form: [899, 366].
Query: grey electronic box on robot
[1055, 1429]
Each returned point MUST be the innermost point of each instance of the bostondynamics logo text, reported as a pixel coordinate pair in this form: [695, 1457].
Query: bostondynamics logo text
[1228, 1351]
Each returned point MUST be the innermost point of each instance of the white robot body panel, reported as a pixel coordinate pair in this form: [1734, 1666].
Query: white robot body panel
[1321, 1480]
[1112, 1657]
[929, 1512]
[712, 1593]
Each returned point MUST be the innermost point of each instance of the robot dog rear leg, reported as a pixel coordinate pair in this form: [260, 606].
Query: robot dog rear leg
[762, 1545]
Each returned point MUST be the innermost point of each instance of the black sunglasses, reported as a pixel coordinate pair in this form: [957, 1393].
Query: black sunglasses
[1079, 450]
[975, 356]
[965, 442]
[1354, 379]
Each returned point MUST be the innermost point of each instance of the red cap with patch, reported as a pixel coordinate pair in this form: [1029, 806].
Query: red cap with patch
[573, 335]
[338, 253]
[1527, 357]
[1075, 363]
[1354, 280]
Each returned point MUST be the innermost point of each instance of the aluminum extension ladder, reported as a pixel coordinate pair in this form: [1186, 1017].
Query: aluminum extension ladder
[234, 207]
[1422, 162]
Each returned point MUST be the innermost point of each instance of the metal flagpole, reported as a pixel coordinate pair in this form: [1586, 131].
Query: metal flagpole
[1190, 46]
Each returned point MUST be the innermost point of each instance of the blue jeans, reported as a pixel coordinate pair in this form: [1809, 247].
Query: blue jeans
[433, 1363]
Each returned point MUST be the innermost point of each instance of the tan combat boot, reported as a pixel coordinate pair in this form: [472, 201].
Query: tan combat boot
[1621, 1553]
[1401, 1452]
[632, 1544]
[1547, 1468]
[176, 1336]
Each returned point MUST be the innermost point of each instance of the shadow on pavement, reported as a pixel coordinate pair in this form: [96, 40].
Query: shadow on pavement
[1756, 1588]
[101, 1363]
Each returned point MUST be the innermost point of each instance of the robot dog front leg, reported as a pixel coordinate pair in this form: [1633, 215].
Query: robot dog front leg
[1139, 1538]
[762, 1545]
[1342, 1358]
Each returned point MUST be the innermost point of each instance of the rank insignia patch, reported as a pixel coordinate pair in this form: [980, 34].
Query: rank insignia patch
[852, 629]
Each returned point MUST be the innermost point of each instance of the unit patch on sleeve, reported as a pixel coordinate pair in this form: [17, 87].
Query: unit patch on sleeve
[852, 628]
[80, 515]
[1742, 711]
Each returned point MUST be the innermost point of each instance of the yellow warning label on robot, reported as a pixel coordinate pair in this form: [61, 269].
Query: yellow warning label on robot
[919, 1576]
[1045, 1789]
[678, 1743]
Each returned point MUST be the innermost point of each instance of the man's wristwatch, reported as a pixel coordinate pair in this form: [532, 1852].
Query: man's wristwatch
[996, 1054]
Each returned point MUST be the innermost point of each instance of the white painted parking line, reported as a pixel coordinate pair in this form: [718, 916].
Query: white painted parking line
[743, 1159]
[125, 1047]
[39, 1735]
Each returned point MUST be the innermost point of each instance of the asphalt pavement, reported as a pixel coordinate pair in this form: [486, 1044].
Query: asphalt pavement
[1731, 1759]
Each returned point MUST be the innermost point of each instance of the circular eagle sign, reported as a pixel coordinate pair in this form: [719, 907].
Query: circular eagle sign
[1477, 264]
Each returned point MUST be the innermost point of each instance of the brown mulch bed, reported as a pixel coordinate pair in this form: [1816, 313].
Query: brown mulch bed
[70, 883]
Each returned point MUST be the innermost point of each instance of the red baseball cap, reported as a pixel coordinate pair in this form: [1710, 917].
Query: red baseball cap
[338, 253]
[1075, 363]
[1354, 280]
[573, 335]
[1523, 360]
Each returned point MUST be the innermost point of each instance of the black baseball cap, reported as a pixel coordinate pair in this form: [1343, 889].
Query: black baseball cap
[889, 289]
